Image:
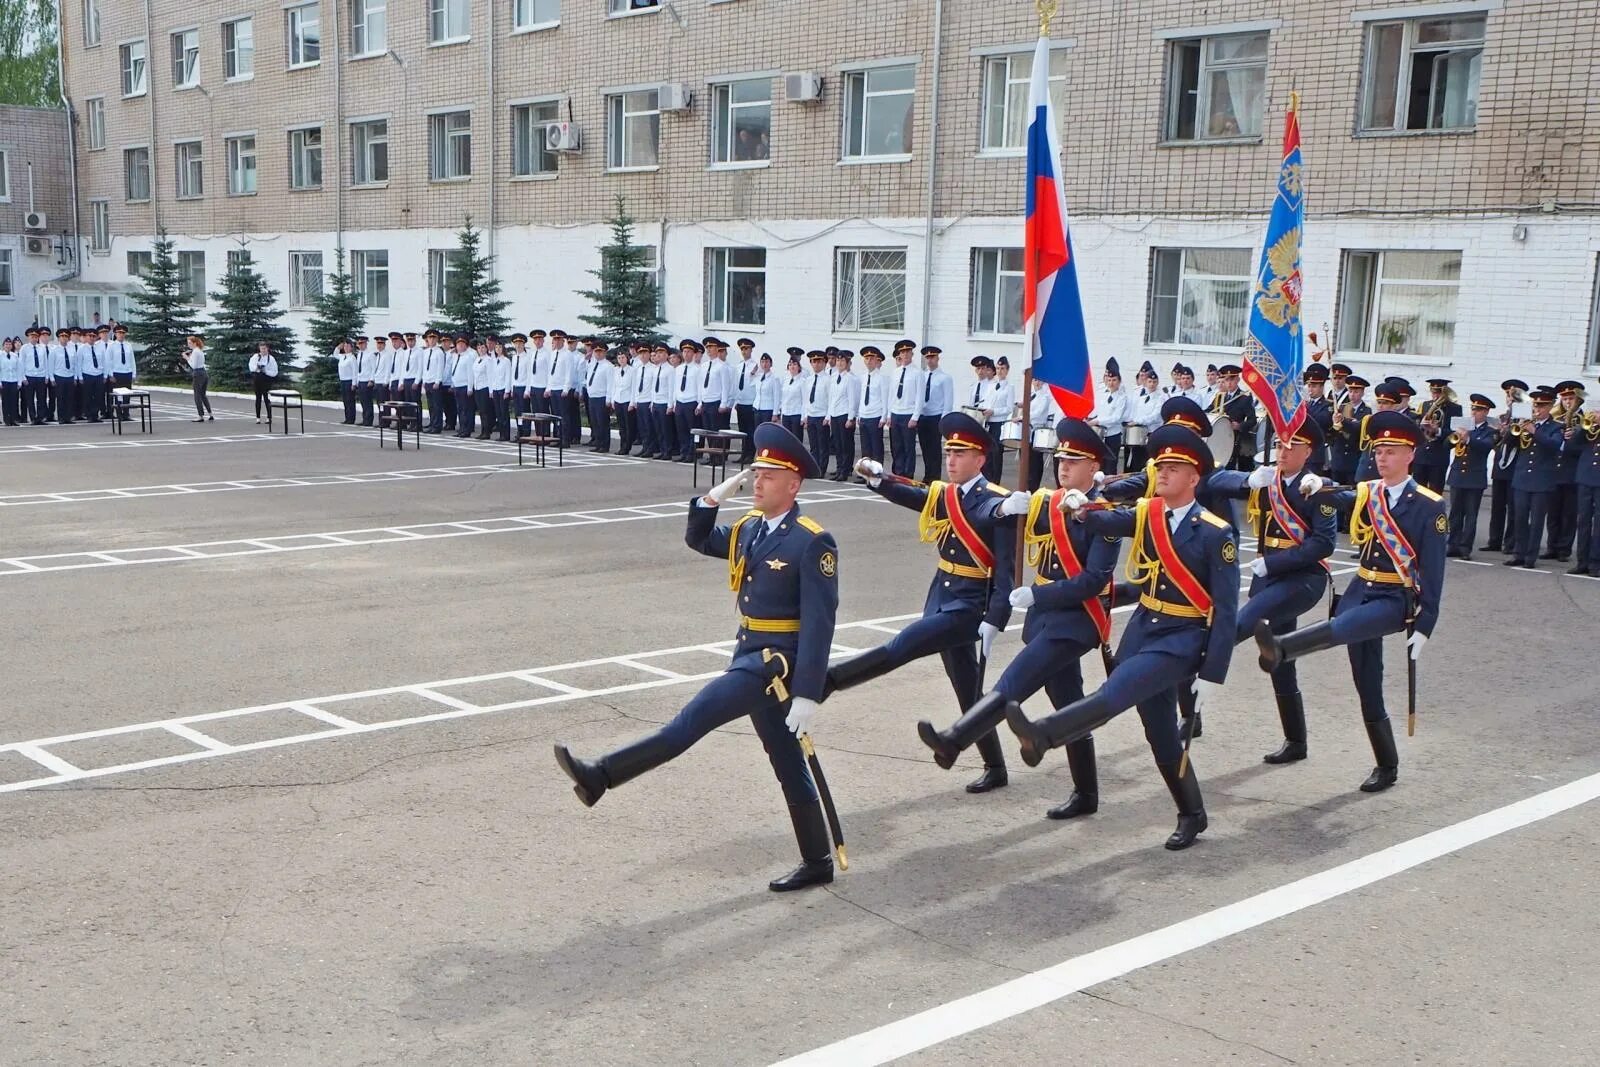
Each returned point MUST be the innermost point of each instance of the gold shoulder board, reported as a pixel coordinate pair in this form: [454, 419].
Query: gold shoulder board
[1221, 524]
[1429, 493]
[809, 523]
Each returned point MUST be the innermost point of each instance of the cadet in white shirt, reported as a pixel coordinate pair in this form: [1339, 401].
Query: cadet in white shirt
[714, 407]
[984, 398]
[1112, 408]
[662, 376]
[686, 396]
[482, 402]
[384, 369]
[792, 395]
[1042, 411]
[624, 387]
[200, 377]
[818, 440]
[92, 381]
[602, 377]
[938, 400]
[742, 374]
[521, 374]
[411, 373]
[35, 378]
[844, 407]
[874, 404]
[10, 382]
[64, 371]
[435, 361]
[573, 402]
[555, 393]
[538, 373]
[366, 377]
[905, 402]
[463, 386]
[1144, 409]
[346, 357]
[124, 368]
[769, 391]
[263, 368]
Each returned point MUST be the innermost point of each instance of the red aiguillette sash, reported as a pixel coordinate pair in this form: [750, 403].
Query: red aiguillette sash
[1074, 567]
[1287, 518]
[1390, 536]
[1171, 564]
[963, 528]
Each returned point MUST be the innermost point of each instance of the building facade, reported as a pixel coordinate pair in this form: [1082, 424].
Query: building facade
[847, 171]
[35, 210]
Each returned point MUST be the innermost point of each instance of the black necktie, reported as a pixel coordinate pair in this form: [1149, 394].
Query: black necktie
[741, 377]
[869, 390]
[683, 380]
[900, 387]
[927, 389]
[707, 382]
[761, 533]
[814, 380]
[68, 355]
[977, 394]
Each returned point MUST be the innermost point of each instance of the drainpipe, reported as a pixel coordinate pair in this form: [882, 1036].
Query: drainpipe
[933, 169]
[338, 131]
[493, 140]
[72, 150]
[150, 93]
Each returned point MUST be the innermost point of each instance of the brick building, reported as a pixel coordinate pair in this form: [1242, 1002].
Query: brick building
[852, 171]
[35, 210]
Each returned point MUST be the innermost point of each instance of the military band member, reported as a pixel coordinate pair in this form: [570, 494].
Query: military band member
[1399, 528]
[1435, 415]
[1586, 440]
[1563, 525]
[1239, 406]
[968, 601]
[1066, 617]
[1468, 477]
[1539, 442]
[1389, 395]
[1501, 470]
[1186, 560]
[1320, 411]
[784, 570]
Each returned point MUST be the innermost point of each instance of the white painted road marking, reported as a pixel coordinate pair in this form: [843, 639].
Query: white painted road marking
[165, 442]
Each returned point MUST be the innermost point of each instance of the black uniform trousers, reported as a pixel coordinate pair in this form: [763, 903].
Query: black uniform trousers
[683, 422]
[1281, 601]
[367, 391]
[953, 635]
[843, 446]
[1500, 538]
[599, 424]
[902, 446]
[347, 396]
[10, 402]
[1563, 520]
[1527, 523]
[734, 695]
[871, 438]
[932, 446]
[746, 415]
[994, 465]
[820, 439]
[1588, 529]
[1464, 507]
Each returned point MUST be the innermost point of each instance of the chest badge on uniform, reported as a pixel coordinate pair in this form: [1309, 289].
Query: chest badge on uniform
[777, 564]
[827, 564]
[1440, 523]
[1229, 553]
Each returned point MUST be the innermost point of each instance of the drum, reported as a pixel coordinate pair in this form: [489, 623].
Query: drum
[1011, 436]
[1044, 438]
[1221, 439]
[1133, 434]
[977, 414]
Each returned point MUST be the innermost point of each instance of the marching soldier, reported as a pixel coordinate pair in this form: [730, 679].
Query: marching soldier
[1468, 477]
[968, 601]
[784, 570]
[1390, 395]
[1501, 539]
[1399, 527]
[1539, 442]
[1186, 559]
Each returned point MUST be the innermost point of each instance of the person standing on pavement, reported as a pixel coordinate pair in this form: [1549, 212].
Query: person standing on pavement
[199, 377]
[263, 377]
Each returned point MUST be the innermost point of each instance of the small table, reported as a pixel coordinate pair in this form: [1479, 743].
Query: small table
[402, 415]
[286, 399]
[543, 431]
[714, 446]
[137, 398]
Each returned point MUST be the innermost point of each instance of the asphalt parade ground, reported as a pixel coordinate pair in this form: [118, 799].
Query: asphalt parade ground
[276, 787]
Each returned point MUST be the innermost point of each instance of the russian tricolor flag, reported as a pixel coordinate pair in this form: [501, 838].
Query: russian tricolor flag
[1051, 307]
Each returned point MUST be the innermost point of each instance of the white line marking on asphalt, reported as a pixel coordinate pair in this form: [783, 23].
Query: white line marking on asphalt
[48, 760]
[325, 716]
[164, 442]
[189, 733]
[1009, 999]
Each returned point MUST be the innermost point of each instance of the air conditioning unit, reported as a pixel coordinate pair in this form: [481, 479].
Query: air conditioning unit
[37, 246]
[562, 137]
[673, 97]
[35, 221]
[802, 88]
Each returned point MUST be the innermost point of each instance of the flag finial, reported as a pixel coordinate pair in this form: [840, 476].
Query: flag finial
[1047, 11]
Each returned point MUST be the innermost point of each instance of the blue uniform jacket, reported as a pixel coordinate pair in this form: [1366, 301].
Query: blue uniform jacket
[1537, 465]
[1058, 601]
[1588, 472]
[1422, 518]
[1471, 471]
[1436, 453]
[1319, 517]
[787, 593]
[1205, 544]
[1344, 444]
[1320, 411]
[950, 591]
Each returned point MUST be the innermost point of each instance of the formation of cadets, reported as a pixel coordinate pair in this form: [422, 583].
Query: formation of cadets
[66, 379]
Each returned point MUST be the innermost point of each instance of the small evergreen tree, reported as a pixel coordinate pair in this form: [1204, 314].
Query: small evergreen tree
[248, 314]
[472, 305]
[339, 317]
[626, 302]
[160, 317]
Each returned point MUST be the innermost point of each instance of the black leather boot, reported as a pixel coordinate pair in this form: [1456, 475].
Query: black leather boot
[1278, 649]
[1085, 798]
[994, 774]
[1387, 772]
[816, 850]
[1062, 727]
[1191, 809]
[1292, 714]
[855, 670]
[976, 721]
[591, 778]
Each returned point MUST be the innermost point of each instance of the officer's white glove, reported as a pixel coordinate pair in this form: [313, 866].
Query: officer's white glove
[801, 712]
[1310, 484]
[1261, 477]
[1017, 503]
[1073, 499]
[870, 469]
[987, 632]
[1022, 597]
[1258, 567]
[719, 493]
[1203, 692]
[1099, 477]
[1415, 643]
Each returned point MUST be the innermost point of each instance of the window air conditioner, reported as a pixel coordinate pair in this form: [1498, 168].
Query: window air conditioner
[562, 137]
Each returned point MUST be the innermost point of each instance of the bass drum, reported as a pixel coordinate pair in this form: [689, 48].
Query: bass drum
[1011, 436]
[1221, 441]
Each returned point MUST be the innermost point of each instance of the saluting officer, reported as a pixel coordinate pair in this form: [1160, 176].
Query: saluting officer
[1468, 477]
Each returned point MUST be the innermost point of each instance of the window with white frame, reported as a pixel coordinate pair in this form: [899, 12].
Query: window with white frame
[186, 59]
[615, 8]
[239, 49]
[304, 27]
[529, 156]
[736, 286]
[1216, 87]
[94, 121]
[869, 289]
[305, 158]
[1199, 296]
[449, 20]
[741, 121]
[369, 275]
[369, 151]
[139, 263]
[450, 146]
[369, 27]
[238, 259]
[187, 172]
[996, 291]
[446, 272]
[5, 176]
[242, 165]
[535, 14]
[192, 278]
[1594, 320]
[136, 174]
[647, 269]
[135, 73]
[91, 23]
[305, 279]
[1006, 83]
[878, 112]
[1422, 74]
[7, 286]
[633, 130]
[1400, 302]
[99, 226]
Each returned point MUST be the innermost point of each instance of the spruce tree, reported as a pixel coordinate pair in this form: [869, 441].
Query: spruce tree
[160, 319]
[626, 301]
[339, 317]
[473, 305]
[247, 314]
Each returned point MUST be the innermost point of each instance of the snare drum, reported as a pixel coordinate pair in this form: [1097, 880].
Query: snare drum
[1044, 438]
[1133, 434]
[1011, 436]
[977, 414]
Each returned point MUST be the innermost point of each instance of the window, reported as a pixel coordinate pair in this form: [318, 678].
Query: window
[649, 270]
[238, 49]
[305, 158]
[630, 7]
[5, 176]
[996, 291]
[139, 263]
[535, 14]
[186, 59]
[870, 289]
[188, 170]
[1400, 302]
[1005, 98]
[877, 112]
[633, 130]
[1199, 296]
[7, 287]
[305, 35]
[369, 157]
[94, 116]
[450, 146]
[369, 271]
[238, 259]
[241, 166]
[100, 226]
[133, 68]
[1422, 74]
[91, 23]
[369, 27]
[136, 173]
[736, 286]
[305, 279]
[449, 20]
[1215, 87]
[192, 268]
[444, 275]
[529, 156]
[741, 121]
